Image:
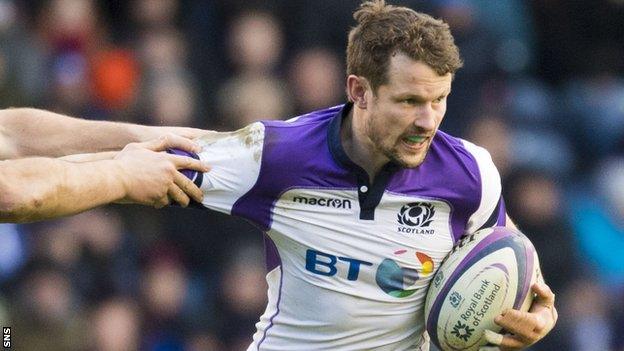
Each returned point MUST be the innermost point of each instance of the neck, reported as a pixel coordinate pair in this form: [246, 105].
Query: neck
[358, 146]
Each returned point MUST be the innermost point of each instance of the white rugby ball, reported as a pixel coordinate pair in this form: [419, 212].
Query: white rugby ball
[486, 273]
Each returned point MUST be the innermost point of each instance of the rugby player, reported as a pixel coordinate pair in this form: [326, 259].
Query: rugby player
[361, 202]
[39, 188]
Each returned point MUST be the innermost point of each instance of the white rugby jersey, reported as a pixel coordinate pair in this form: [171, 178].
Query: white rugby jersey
[348, 262]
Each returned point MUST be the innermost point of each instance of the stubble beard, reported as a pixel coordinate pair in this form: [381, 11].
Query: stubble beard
[397, 157]
[392, 151]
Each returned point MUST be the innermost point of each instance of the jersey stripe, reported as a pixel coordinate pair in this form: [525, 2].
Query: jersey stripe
[277, 311]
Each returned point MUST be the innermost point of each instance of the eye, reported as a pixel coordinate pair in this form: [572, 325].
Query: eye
[411, 101]
[439, 99]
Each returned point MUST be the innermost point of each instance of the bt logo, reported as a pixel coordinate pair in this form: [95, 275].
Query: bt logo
[325, 264]
[393, 279]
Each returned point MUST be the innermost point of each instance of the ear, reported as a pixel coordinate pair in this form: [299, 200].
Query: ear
[356, 90]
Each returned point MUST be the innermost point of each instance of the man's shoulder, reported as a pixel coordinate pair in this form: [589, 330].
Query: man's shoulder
[460, 159]
[301, 130]
[300, 135]
[461, 148]
[318, 117]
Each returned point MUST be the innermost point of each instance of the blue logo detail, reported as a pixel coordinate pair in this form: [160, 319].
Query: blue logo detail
[392, 278]
[325, 264]
[438, 279]
[455, 298]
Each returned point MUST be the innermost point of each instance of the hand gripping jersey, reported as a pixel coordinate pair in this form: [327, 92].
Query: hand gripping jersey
[349, 262]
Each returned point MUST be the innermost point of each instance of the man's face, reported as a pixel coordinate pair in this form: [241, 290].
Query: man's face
[405, 113]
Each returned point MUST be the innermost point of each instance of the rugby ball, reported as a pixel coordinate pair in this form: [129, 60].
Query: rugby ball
[484, 274]
[189, 173]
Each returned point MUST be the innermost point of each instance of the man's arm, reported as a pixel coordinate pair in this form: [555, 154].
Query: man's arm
[526, 328]
[41, 188]
[28, 132]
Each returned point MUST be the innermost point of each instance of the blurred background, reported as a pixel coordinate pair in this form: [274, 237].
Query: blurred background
[542, 89]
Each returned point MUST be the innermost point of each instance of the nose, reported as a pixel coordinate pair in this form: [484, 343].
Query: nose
[425, 118]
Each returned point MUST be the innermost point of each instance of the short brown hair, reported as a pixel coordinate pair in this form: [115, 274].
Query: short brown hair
[383, 30]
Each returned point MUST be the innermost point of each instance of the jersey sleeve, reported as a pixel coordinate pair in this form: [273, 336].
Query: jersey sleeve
[235, 159]
[491, 211]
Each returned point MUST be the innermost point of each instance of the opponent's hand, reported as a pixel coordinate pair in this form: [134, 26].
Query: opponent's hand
[152, 133]
[525, 328]
[151, 176]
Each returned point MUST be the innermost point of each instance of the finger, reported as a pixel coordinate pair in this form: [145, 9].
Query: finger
[500, 343]
[555, 315]
[493, 337]
[172, 141]
[162, 202]
[522, 324]
[544, 307]
[185, 162]
[544, 295]
[176, 194]
[188, 187]
[512, 342]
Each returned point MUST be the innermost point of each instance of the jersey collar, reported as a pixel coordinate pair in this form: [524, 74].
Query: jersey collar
[369, 194]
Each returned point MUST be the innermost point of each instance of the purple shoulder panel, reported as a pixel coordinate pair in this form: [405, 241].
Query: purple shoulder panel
[294, 154]
[449, 173]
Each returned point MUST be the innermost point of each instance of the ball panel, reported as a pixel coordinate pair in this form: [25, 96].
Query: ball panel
[530, 263]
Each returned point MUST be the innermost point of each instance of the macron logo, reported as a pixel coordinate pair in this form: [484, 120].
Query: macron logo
[325, 202]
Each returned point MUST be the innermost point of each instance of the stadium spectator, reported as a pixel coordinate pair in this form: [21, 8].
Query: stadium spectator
[254, 91]
[46, 310]
[243, 296]
[312, 77]
[598, 223]
[589, 317]
[115, 325]
[164, 289]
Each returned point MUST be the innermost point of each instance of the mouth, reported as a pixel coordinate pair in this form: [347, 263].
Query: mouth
[415, 142]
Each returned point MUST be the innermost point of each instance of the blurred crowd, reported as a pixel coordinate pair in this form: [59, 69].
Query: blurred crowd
[542, 89]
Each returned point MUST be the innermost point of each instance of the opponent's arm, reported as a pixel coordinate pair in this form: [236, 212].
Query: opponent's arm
[98, 156]
[31, 132]
[41, 188]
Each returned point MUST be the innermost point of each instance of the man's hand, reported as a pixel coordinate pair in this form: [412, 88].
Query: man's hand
[526, 328]
[151, 176]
